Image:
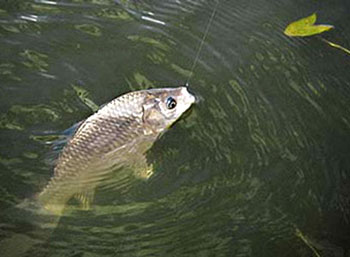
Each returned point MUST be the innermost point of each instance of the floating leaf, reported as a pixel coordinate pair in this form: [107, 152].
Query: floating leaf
[306, 27]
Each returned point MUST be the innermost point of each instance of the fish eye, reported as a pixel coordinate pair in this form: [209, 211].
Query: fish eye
[170, 103]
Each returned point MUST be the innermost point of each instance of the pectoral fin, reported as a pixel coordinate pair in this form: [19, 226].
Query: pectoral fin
[85, 198]
[144, 172]
[142, 169]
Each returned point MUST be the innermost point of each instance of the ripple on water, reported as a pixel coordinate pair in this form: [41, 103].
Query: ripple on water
[260, 161]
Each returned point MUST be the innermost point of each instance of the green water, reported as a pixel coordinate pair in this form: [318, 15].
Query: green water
[259, 167]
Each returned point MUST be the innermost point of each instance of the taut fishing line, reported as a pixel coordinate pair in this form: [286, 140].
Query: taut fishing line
[202, 42]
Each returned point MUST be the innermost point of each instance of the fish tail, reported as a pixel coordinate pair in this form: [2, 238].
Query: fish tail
[23, 227]
[17, 245]
[54, 197]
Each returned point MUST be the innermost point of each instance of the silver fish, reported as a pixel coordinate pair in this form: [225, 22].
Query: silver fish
[117, 135]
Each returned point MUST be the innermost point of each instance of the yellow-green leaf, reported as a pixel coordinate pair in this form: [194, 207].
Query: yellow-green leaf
[306, 27]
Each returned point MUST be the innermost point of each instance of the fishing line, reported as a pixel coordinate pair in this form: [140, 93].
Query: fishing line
[202, 42]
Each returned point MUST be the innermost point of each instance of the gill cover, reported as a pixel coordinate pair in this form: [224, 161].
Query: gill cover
[152, 117]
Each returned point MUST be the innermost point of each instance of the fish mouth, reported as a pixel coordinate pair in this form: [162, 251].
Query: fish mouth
[186, 114]
[191, 96]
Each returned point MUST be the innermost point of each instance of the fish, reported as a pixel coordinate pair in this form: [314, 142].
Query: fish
[116, 136]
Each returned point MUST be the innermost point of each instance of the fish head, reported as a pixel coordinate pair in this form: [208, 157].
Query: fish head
[164, 106]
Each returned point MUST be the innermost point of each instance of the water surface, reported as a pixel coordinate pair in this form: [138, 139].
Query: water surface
[260, 167]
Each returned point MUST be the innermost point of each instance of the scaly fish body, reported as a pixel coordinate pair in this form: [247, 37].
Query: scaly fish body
[117, 135]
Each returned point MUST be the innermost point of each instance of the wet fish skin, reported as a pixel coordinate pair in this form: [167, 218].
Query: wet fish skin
[117, 135]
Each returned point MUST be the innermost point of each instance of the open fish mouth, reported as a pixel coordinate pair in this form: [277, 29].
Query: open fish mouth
[193, 99]
[186, 114]
[196, 99]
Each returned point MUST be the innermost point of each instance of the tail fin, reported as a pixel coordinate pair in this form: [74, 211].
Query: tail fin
[23, 227]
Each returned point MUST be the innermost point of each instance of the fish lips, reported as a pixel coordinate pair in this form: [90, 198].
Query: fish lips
[190, 91]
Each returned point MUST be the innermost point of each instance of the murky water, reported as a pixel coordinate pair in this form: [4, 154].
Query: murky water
[260, 167]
